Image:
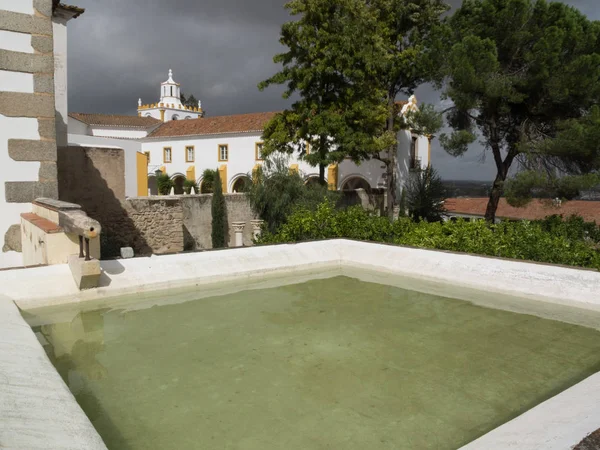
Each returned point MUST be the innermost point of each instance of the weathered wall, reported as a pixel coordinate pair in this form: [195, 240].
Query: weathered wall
[27, 116]
[157, 225]
[197, 219]
[95, 179]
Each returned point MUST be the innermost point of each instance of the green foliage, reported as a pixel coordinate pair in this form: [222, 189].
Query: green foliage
[276, 191]
[520, 189]
[190, 101]
[571, 242]
[339, 112]
[164, 184]
[219, 214]
[403, 203]
[208, 181]
[425, 195]
[188, 185]
[523, 75]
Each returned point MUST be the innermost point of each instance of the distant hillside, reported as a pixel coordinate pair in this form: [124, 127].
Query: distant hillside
[467, 188]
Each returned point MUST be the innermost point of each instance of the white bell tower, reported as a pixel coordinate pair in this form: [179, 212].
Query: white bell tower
[170, 92]
[169, 107]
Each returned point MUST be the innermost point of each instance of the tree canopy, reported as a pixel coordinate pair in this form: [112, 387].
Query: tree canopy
[524, 76]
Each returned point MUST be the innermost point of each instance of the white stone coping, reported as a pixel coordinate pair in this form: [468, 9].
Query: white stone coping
[550, 291]
[37, 410]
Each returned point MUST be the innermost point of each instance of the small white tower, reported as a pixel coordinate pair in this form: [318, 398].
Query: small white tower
[169, 106]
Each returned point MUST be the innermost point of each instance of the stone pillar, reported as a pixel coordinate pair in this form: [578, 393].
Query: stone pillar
[396, 212]
[256, 228]
[238, 228]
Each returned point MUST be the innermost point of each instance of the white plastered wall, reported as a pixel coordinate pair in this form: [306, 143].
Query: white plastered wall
[15, 128]
[130, 148]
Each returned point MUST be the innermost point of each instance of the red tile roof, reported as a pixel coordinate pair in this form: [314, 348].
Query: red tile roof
[74, 9]
[238, 123]
[536, 209]
[115, 120]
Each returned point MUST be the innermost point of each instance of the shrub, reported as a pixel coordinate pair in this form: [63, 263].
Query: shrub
[219, 214]
[208, 181]
[188, 185]
[164, 184]
[425, 195]
[534, 241]
[276, 191]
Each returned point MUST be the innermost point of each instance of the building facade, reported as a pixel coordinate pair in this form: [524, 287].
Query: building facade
[33, 77]
[181, 142]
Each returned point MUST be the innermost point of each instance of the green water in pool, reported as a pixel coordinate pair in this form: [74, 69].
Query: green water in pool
[326, 364]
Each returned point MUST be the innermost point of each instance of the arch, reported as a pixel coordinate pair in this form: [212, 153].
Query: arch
[178, 179]
[203, 188]
[152, 185]
[188, 117]
[312, 179]
[175, 117]
[355, 181]
[239, 183]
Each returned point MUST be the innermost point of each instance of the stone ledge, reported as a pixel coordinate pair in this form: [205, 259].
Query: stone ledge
[47, 128]
[17, 104]
[26, 62]
[44, 7]
[30, 150]
[24, 23]
[42, 44]
[28, 191]
[47, 226]
[43, 83]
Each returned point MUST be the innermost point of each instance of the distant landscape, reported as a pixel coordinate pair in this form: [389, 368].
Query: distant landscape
[474, 188]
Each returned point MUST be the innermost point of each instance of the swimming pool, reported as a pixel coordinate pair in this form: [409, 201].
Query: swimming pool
[326, 363]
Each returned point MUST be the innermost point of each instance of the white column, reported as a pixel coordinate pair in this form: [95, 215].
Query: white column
[238, 228]
[256, 227]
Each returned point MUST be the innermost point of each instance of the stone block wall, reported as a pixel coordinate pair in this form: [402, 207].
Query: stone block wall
[158, 225]
[197, 219]
[27, 116]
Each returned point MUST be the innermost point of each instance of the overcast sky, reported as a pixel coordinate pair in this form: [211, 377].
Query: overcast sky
[121, 50]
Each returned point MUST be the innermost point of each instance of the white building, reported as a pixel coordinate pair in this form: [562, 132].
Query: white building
[183, 149]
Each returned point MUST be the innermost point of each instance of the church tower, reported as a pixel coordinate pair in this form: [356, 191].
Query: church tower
[169, 107]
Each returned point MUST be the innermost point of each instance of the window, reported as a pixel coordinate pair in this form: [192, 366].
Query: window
[189, 153]
[223, 152]
[171, 91]
[258, 151]
[414, 161]
[167, 155]
[147, 156]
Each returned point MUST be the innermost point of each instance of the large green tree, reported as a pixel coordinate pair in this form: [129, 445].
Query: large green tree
[522, 73]
[410, 32]
[332, 56]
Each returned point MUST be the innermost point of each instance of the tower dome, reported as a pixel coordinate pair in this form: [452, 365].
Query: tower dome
[170, 91]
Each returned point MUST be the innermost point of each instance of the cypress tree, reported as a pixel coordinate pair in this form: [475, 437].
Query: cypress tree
[219, 220]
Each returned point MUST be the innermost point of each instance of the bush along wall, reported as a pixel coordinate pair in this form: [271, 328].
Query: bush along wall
[571, 242]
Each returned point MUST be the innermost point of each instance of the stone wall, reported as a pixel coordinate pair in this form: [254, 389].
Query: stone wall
[157, 225]
[95, 179]
[197, 219]
[27, 116]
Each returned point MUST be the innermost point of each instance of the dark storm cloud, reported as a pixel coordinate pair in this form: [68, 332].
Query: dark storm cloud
[121, 50]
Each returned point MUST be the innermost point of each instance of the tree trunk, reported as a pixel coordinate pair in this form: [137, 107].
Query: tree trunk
[495, 194]
[498, 186]
[322, 174]
[323, 152]
[391, 164]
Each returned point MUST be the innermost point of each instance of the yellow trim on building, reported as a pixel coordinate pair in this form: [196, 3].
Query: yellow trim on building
[162, 114]
[163, 169]
[193, 153]
[332, 177]
[255, 170]
[190, 173]
[141, 161]
[219, 152]
[165, 155]
[148, 156]
[294, 168]
[256, 151]
[223, 174]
